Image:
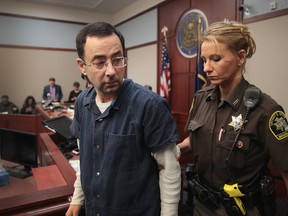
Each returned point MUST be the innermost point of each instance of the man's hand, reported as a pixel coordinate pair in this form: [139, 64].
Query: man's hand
[73, 210]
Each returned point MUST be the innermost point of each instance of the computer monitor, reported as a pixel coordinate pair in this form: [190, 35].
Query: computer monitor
[61, 125]
[21, 148]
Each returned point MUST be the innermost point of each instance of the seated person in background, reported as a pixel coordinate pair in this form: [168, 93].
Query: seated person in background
[29, 106]
[7, 106]
[74, 93]
[88, 83]
[52, 91]
[148, 86]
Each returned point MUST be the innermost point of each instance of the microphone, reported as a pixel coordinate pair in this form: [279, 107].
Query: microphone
[252, 97]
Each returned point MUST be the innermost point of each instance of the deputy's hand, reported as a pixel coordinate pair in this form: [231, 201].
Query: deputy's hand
[183, 147]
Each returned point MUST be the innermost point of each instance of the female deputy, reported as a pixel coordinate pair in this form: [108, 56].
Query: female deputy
[234, 130]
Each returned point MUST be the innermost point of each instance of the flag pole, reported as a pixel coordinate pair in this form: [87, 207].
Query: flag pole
[198, 38]
[165, 79]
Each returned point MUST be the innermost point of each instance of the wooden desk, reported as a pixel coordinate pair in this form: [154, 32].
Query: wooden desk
[53, 201]
[48, 113]
[48, 177]
[21, 122]
[16, 186]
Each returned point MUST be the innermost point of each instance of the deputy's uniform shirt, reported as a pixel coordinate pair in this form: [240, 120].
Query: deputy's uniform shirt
[214, 126]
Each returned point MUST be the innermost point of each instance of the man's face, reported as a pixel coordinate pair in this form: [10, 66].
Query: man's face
[220, 64]
[4, 101]
[108, 79]
[52, 83]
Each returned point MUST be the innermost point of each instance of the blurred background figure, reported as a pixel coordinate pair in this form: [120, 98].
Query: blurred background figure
[29, 106]
[52, 91]
[7, 106]
[148, 86]
[74, 93]
[88, 83]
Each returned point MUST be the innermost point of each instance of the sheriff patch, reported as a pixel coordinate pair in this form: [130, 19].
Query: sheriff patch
[278, 125]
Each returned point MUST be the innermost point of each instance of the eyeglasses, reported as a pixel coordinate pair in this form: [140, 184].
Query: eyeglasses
[117, 63]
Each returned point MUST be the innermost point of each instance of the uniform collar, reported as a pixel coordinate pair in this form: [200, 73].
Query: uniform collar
[214, 93]
[234, 98]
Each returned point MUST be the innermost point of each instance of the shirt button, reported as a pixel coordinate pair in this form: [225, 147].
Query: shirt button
[100, 120]
[97, 146]
[98, 173]
[98, 196]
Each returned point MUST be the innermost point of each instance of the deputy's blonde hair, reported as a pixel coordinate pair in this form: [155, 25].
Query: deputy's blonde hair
[234, 34]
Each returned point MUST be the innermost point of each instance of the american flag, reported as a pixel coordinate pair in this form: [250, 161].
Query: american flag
[165, 81]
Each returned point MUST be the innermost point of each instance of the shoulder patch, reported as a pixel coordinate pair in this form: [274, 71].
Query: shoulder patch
[278, 125]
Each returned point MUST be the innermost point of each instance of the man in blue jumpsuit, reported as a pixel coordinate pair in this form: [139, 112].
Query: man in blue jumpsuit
[126, 135]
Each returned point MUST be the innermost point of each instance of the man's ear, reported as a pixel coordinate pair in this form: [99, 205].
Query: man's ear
[81, 66]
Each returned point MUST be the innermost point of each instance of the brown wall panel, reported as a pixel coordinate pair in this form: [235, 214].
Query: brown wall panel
[178, 63]
[169, 14]
[179, 105]
[217, 10]
[181, 118]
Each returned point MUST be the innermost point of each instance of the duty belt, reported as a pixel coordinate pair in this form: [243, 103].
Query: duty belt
[253, 196]
[234, 200]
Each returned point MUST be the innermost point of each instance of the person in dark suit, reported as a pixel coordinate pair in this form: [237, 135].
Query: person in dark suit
[52, 91]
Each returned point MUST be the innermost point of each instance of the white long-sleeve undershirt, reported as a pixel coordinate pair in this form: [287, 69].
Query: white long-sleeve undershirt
[169, 182]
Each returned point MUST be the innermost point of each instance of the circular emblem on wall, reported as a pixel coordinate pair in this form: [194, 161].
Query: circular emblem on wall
[188, 29]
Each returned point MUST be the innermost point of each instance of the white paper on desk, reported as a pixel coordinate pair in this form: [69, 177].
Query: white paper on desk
[75, 164]
[71, 113]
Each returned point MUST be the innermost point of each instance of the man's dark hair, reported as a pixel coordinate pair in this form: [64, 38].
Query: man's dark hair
[76, 84]
[98, 29]
[5, 97]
